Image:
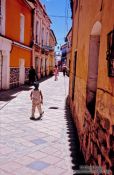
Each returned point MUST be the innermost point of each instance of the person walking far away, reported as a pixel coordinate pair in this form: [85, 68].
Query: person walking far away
[37, 100]
[32, 76]
[64, 70]
[56, 72]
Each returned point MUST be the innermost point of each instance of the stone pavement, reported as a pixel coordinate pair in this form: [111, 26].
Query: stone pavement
[36, 147]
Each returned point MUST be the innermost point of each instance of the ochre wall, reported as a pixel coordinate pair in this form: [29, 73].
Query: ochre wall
[13, 10]
[84, 18]
[87, 16]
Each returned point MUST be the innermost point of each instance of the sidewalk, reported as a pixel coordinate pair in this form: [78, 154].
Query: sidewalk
[36, 147]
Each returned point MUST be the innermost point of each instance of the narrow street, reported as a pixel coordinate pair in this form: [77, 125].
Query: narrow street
[43, 147]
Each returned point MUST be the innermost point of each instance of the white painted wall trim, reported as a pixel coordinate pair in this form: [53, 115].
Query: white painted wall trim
[5, 48]
[21, 45]
[5, 44]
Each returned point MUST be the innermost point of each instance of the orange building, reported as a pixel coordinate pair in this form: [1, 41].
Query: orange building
[17, 33]
[91, 92]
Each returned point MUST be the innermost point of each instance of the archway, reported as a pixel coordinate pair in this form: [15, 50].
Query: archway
[91, 87]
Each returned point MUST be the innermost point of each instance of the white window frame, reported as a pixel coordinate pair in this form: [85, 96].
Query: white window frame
[22, 27]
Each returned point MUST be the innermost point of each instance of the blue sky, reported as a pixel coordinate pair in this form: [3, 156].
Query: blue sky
[60, 25]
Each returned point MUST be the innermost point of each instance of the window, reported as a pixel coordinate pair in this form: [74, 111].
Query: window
[42, 36]
[22, 24]
[110, 53]
[37, 32]
[47, 38]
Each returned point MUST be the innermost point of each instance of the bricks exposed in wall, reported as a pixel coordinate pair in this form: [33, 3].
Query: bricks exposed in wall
[96, 140]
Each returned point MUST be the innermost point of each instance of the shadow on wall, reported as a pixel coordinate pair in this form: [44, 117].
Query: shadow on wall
[76, 154]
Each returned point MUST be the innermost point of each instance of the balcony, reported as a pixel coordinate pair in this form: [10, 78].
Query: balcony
[47, 48]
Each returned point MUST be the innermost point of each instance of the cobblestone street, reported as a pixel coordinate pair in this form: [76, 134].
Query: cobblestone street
[39, 147]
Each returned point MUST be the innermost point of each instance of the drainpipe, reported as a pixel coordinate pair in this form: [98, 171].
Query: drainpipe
[1, 68]
[32, 42]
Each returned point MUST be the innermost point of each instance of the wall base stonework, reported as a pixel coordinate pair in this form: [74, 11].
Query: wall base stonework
[96, 141]
[14, 77]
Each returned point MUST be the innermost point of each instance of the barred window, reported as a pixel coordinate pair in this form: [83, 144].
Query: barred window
[110, 53]
[37, 31]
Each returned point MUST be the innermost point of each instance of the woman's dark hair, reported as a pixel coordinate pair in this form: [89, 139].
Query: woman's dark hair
[36, 85]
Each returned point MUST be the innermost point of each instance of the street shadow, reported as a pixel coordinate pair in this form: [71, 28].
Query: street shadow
[7, 95]
[76, 154]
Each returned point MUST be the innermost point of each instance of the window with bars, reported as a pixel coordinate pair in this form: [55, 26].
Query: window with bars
[37, 32]
[47, 38]
[110, 53]
[42, 36]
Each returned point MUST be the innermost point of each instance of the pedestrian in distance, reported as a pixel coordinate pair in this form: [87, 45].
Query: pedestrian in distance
[37, 100]
[56, 72]
[64, 70]
[32, 76]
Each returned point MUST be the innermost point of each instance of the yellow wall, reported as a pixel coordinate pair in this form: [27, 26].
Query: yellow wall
[13, 10]
[51, 53]
[19, 53]
[83, 20]
[88, 15]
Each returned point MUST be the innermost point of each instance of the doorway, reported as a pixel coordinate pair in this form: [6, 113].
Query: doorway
[22, 71]
[93, 59]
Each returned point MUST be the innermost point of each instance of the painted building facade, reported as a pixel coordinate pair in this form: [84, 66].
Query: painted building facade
[41, 32]
[91, 93]
[52, 44]
[16, 37]
[64, 53]
[68, 54]
[24, 41]
[5, 48]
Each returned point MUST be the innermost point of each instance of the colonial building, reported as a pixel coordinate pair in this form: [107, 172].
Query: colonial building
[15, 42]
[91, 92]
[64, 53]
[5, 48]
[68, 52]
[24, 41]
[41, 32]
[52, 44]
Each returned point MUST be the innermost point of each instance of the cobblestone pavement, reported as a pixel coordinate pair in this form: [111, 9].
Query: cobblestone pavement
[39, 147]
